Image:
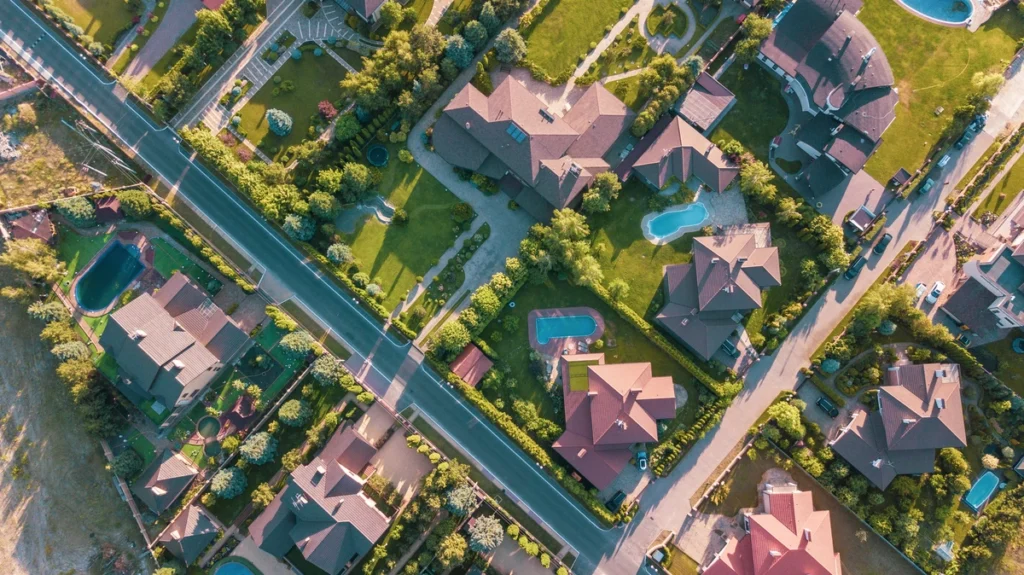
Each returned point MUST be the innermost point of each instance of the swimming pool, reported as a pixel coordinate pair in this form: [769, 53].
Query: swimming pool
[981, 491]
[233, 568]
[549, 328]
[109, 275]
[674, 222]
[946, 11]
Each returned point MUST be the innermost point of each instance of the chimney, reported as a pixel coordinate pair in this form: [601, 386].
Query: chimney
[940, 403]
[940, 373]
[178, 364]
[581, 453]
[591, 393]
[318, 475]
[707, 152]
[807, 534]
[634, 391]
[870, 53]
[175, 535]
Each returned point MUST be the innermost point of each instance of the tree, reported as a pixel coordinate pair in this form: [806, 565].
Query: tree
[618, 289]
[34, 259]
[485, 534]
[602, 191]
[486, 303]
[452, 337]
[135, 203]
[262, 496]
[390, 14]
[49, 311]
[567, 240]
[213, 32]
[356, 179]
[58, 332]
[509, 46]
[327, 370]
[297, 345]
[327, 110]
[258, 448]
[71, 350]
[78, 210]
[292, 460]
[459, 51]
[787, 417]
[279, 122]
[299, 227]
[76, 374]
[230, 443]
[756, 182]
[787, 211]
[489, 19]
[451, 550]
[329, 181]
[987, 85]
[476, 34]
[340, 254]
[294, 413]
[989, 461]
[757, 27]
[346, 127]
[127, 464]
[26, 116]
[324, 206]
[228, 483]
[461, 500]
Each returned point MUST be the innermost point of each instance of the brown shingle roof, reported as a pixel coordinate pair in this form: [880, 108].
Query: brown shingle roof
[189, 534]
[33, 225]
[471, 365]
[706, 101]
[680, 151]
[795, 36]
[164, 480]
[851, 148]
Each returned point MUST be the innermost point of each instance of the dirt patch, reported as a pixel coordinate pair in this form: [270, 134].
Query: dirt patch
[58, 504]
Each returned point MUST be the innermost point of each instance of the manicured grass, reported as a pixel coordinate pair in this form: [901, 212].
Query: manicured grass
[101, 19]
[140, 40]
[564, 30]
[705, 16]
[76, 251]
[718, 38]
[991, 151]
[631, 345]
[98, 324]
[166, 62]
[354, 59]
[422, 8]
[791, 167]
[157, 418]
[933, 66]
[1004, 363]
[628, 90]
[142, 446]
[629, 51]
[681, 564]
[760, 112]
[398, 254]
[315, 79]
[106, 365]
[167, 260]
[659, 22]
[1005, 192]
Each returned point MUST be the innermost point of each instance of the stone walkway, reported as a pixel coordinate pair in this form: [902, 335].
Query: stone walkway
[179, 17]
[437, 11]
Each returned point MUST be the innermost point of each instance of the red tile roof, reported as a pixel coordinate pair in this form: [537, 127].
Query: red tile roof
[471, 365]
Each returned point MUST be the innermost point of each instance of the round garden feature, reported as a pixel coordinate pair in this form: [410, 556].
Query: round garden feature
[377, 155]
[212, 449]
[208, 427]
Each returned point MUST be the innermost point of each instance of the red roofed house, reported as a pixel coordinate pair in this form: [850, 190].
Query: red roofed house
[788, 538]
[919, 411]
[674, 151]
[471, 365]
[34, 225]
[213, 4]
[608, 408]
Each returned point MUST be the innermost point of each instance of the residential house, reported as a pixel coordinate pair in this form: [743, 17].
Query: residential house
[919, 412]
[706, 103]
[322, 510]
[786, 537]
[189, 534]
[471, 365]
[608, 408]
[542, 159]
[367, 10]
[673, 152]
[992, 296]
[705, 300]
[840, 75]
[36, 225]
[164, 480]
[170, 345]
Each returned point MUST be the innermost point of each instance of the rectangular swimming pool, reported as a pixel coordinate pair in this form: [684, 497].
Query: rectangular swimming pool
[981, 491]
[549, 328]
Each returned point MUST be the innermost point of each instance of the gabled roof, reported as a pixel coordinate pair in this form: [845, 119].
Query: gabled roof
[788, 538]
[33, 225]
[862, 444]
[921, 408]
[189, 534]
[822, 175]
[164, 480]
[619, 405]
[805, 23]
[706, 101]
[851, 148]
[680, 151]
[471, 365]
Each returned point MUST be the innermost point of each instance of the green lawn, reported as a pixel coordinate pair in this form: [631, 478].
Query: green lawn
[628, 90]
[166, 62]
[631, 345]
[1005, 192]
[157, 418]
[1004, 363]
[315, 79]
[422, 8]
[98, 324]
[719, 36]
[142, 446]
[101, 19]
[760, 112]
[933, 66]
[628, 52]
[705, 16]
[681, 564]
[563, 32]
[76, 251]
[167, 259]
[991, 151]
[660, 22]
[140, 40]
[398, 254]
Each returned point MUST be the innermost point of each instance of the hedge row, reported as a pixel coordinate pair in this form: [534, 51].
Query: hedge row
[505, 423]
[667, 454]
[994, 166]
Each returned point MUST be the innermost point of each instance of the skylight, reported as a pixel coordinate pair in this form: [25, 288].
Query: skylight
[517, 134]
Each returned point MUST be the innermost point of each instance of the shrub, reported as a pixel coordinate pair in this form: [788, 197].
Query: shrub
[262, 496]
[279, 122]
[830, 365]
[340, 254]
[78, 210]
[989, 461]
[461, 500]
[297, 345]
[228, 483]
[328, 370]
[294, 413]
[135, 203]
[485, 534]
[513, 531]
[258, 448]
[299, 227]
[280, 319]
[405, 156]
[127, 464]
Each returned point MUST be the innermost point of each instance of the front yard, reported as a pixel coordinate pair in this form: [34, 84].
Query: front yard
[629, 51]
[933, 66]
[564, 31]
[101, 19]
[1005, 192]
[304, 83]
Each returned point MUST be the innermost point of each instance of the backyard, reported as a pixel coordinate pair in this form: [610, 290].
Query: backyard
[933, 66]
[1007, 365]
[312, 79]
[628, 52]
[1005, 192]
[628, 90]
[706, 14]
[760, 112]
[76, 250]
[564, 31]
[667, 21]
[167, 259]
[399, 254]
[101, 19]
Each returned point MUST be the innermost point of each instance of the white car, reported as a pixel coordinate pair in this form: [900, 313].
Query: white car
[933, 296]
[921, 288]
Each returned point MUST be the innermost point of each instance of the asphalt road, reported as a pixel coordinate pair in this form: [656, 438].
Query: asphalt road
[398, 367]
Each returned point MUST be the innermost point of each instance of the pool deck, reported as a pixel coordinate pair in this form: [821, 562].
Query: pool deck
[555, 346]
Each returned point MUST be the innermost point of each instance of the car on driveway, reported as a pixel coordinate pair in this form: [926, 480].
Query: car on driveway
[919, 289]
[615, 502]
[933, 296]
[828, 407]
[641, 460]
[882, 243]
[963, 340]
[855, 267]
[926, 186]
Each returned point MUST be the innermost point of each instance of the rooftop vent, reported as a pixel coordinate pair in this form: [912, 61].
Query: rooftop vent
[807, 534]
[775, 553]
[870, 53]
[575, 169]
[622, 424]
[581, 453]
[178, 364]
[547, 116]
[715, 260]
[940, 403]
[139, 334]
[158, 490]
[940, 373]
[684, 321]
[707, 152]
[909, 420]
[877, 464]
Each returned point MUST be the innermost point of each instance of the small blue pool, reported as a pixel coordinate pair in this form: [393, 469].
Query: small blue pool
[674, 220]
[549, 328]
[115, 269]
[981, 491]
[948, 11]
[233, 568]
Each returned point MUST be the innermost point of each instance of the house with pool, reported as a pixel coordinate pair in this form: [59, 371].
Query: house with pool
[170, 345]
[706, 300]
[919, 412]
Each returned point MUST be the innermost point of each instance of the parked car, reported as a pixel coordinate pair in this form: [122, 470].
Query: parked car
[926, 186]
[828, 407]
[855, 267]
[641, 461]
[920, 289]
[965, 139]
[882, 243]
[944, 161]
[615, 502]
[963, 340]
[933, 296]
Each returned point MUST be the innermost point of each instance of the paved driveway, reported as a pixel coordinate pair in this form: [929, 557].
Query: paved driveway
[937, 263]
[180, 15]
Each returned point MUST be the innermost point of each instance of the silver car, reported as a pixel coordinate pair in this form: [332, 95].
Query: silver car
[933, 296]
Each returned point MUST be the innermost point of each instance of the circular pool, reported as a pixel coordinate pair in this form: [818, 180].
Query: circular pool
[377, 155]
[208, 426]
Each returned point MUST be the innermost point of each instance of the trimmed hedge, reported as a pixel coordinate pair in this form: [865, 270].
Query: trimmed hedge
[993, 168]
[667, 454]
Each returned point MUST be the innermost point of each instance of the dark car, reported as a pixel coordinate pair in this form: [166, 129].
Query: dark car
[615, 502]
[828, 407]
[855, 267]
[882, 243]
[963, 340]
[926, 186]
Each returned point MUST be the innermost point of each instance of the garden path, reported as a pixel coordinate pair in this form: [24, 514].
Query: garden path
[420, 288]
[179, 17]
[670, 44]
